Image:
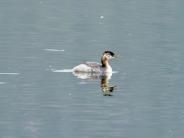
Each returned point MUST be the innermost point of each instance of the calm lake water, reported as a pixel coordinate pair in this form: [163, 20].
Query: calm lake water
[40, 41]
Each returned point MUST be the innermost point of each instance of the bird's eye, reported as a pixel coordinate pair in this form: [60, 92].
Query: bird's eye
[109, 56]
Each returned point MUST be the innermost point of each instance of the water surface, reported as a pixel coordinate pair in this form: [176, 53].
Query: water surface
[38, 39]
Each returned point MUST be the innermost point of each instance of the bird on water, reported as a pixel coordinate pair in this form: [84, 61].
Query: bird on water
[95, 67]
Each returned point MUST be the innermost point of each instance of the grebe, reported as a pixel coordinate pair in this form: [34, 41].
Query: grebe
[94, 67]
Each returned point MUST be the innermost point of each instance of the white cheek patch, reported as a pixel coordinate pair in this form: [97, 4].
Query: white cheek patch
[109, 56]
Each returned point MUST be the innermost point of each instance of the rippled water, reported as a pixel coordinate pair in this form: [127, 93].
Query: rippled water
[41, 41]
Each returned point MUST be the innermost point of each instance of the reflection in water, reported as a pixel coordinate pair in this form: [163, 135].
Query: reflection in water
[106, 88]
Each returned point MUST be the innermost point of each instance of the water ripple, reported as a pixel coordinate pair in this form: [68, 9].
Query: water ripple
[55, 50]
[9, 73]
[63, 70]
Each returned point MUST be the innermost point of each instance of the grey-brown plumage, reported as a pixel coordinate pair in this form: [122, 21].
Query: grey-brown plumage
[95, 66]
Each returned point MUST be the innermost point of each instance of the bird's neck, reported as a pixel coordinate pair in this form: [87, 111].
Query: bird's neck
[104, 62]
[105, 65]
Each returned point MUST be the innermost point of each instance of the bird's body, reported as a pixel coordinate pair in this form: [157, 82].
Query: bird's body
[95, 67]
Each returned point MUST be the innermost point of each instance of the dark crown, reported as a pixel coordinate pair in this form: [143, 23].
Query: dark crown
[109, 52]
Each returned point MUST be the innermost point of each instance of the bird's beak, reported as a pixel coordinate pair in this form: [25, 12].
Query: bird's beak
[115, 56]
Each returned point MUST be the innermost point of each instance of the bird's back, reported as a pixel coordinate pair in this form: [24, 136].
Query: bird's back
[88, 67]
